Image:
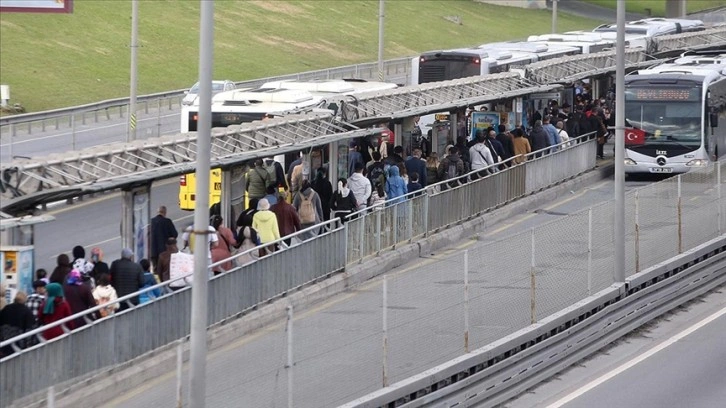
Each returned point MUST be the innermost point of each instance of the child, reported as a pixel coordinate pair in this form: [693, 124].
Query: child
[414, 185]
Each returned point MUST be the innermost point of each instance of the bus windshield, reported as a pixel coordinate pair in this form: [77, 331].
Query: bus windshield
[665, 115]
[448, 66]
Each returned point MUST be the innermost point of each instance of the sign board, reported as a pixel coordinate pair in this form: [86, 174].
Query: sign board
[483, 120]
[36, 6]
[17, 270]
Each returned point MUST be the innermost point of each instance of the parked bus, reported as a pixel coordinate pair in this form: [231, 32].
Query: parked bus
[672, 115]
[188, 185]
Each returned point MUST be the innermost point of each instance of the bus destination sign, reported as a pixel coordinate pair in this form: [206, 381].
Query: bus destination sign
[662, 94]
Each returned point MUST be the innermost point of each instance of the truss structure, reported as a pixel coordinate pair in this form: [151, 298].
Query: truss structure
[26, 183]
[711, 38]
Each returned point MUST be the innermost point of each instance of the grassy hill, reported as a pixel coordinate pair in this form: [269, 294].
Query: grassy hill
[53, 61]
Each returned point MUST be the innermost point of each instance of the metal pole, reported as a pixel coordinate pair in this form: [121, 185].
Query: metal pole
[134, 51]
[179, 365]
[532, 305]
[198, 342]
[51, 397]
[158, 118]
[619, 224]
[637, 232]
[378, 230]
[720, 204]
[289, 356]
[385, 331]
[680, 223]
[466, 301]
[73, 131]
[554, 16]
[589, 251]
[380, 39]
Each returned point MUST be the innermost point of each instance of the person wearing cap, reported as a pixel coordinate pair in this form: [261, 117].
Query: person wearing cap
[126, 277]
[265, 223]
[36, 298]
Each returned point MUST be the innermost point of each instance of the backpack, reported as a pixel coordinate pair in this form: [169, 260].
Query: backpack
[272, 171]
[451, 170]
[306, 211]
[375, 173]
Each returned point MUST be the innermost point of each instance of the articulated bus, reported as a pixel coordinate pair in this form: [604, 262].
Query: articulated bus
[486, 59]
[672, 114]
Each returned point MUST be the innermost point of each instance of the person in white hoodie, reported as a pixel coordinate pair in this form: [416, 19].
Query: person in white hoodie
[360, 186]
[479, 154]
[104, 293]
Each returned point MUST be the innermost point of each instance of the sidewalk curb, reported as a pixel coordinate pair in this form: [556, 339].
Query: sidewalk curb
[94, 389]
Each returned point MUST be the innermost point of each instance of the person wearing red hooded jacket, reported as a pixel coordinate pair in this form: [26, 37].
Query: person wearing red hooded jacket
[53, 309]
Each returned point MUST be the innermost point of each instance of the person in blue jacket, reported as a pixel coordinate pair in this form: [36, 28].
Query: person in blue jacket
[395, 186]
[149, 281]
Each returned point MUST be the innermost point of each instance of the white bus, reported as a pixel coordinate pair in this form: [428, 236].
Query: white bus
[672, 115]
[246, 105]
[586, 42]
[485, 59]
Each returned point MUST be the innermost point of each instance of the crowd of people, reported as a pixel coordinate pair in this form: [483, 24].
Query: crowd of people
[73, 287]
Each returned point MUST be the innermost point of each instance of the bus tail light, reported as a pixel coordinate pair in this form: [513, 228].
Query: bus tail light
[183, 180]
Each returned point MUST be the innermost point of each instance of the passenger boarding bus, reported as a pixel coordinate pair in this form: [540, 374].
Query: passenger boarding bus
[485, 59]
[672, 114]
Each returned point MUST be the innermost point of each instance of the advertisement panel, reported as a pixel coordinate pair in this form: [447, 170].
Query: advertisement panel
[17, 270]
[36, 6]
[483, 120]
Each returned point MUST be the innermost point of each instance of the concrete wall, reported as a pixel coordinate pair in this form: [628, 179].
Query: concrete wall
[532, 4]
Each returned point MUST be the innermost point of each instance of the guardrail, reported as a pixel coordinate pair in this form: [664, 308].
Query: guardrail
[251, 284]
[395, 68]
[502, 370]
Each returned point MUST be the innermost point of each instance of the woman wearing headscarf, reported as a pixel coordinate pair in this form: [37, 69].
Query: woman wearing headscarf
[265, 223]
[54, 308]
[63, 267]
[78, 294]
[344, 202]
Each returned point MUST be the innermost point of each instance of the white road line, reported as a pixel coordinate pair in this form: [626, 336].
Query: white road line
[577, 393]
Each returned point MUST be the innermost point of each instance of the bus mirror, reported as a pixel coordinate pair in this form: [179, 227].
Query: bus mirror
[713, 119]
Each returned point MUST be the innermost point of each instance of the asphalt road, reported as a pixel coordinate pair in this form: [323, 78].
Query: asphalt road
[343, 333]
[679, 360]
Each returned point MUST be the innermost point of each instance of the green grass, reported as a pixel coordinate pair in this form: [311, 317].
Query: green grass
[53, 61]
[657, 7]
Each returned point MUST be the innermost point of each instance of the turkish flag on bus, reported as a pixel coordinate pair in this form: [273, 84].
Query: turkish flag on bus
[634, 137]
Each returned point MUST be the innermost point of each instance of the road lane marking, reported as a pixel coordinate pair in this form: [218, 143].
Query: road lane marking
[587, 387]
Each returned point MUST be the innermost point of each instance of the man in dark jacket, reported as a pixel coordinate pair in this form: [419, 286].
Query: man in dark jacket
[162, 228]
[506, 140]
[126, 277]
[415, 165]
[15, 319]
[539, 138]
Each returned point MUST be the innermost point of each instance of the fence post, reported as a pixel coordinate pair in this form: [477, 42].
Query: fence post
[158, 118]
[409, 222]
[718, 190]
[73, 131]
[378, 230]
[362, 236]
[532, 305]
[426, 215]
[589, 251]
[51, 397]
[466, 301]
[637, 232]
[385, 331]
[680, 223]
[179, 364]
[395, 225]
[290, 362]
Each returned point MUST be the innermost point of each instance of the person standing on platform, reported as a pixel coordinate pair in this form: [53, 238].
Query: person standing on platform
[126, 277]
[162, 228]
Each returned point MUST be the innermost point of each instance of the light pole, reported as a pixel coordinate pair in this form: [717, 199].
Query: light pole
[554, 16]
[134, 50]
[380, 39]
[198, 338]
[619, 224]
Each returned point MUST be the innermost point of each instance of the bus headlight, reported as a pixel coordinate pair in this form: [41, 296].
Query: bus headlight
[630, 162]
[697, 163]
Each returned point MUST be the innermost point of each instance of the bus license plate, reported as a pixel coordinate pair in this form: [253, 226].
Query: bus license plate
[661, 170]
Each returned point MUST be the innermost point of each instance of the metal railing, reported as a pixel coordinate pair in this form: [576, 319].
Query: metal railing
[127, 335]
